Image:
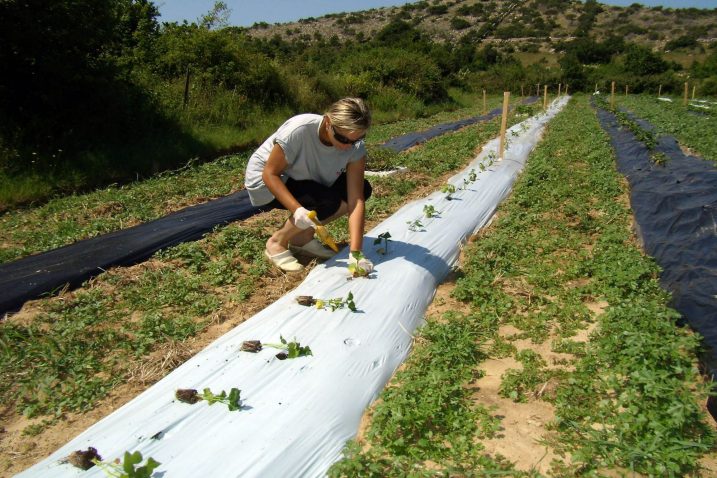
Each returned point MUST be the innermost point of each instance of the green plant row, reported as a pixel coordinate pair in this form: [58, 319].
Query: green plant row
[646, 137]
[694, 130]
[625, 401]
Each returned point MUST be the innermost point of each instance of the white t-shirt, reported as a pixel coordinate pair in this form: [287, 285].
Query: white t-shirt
[306, 155]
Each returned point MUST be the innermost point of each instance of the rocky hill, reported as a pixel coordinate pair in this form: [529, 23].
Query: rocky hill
[523, 25]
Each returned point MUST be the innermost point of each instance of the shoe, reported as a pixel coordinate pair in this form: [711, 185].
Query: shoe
[313, 248]
[284, 261]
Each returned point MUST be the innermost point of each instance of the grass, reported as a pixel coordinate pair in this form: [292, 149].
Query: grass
[68, 219]
[628, 399]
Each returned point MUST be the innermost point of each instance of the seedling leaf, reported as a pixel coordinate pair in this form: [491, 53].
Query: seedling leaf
[293, 349]
[129, 468]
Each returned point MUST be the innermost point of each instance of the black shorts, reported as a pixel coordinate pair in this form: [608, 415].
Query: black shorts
[325, 200]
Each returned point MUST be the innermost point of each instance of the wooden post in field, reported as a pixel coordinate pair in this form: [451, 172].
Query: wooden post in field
[485, 108]
[626, 89]
[612, 95]
[521, 91]
[504, 123]
[566, 89]
[685, 100]
[537, 91]
[559, 88]
[545, 97]
[694, 87]
[595, 91]
[186, 89]
[659, 91]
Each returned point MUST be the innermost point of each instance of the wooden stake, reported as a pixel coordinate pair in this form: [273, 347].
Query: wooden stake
[485, 108]
[186, 89]
[537, 91]
[595, 88]
[545, 97]
[694, 87]
[559, 85]
[685, 100]
[659, 91]
[521, 91]
[626, 89]
[612, 95]
[566, 89]
[504, 123]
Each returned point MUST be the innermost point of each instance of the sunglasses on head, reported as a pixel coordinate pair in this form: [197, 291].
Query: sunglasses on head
[343, 139]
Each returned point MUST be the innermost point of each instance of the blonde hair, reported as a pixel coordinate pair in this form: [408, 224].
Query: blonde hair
[350, 114]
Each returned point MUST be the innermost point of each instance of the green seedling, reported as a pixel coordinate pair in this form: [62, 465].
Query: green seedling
[385, 237]
[293, 349]
[130, 467]
[415, 225]
[307, 300]
[472, 176]
[338, 303]
[354, 268]
[189, 395]
[448, 189]
[429, 210]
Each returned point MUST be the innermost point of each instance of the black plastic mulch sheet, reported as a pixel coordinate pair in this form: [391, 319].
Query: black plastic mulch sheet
[32, 277]
[675, 206]
[402, 143]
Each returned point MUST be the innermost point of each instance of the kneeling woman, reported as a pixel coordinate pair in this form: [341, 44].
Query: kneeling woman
[314, 162]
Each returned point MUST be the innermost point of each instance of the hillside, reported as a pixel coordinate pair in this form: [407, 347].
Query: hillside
[524, 25]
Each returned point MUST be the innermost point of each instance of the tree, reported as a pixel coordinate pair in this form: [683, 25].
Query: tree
[573, 71]
[640, 61]
[53, 54]
[217, 17]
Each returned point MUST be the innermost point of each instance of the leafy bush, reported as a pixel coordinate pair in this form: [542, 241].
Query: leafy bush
[640, 61]
[406, 71]
[219, 58]
[458, 23]
[684, 41]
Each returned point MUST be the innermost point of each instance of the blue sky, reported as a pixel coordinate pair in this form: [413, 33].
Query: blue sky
[247, 12]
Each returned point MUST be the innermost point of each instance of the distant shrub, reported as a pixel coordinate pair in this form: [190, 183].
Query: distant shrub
[407, 71]
[475, 10]
[709, 86]
[631, 28]
[458, 23]
[684, 41]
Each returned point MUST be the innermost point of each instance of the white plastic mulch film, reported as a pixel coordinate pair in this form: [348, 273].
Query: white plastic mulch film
[297, 414]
